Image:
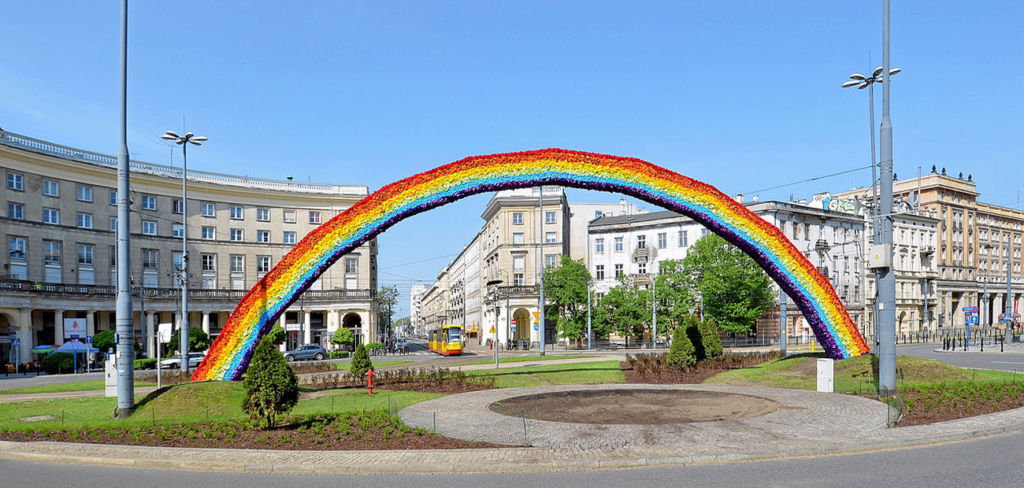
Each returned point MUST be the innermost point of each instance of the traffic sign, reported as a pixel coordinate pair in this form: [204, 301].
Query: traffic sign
[88, 339]
[513, 328]
[492, 330]
[970, 309]
[15, 341]
[536, 327]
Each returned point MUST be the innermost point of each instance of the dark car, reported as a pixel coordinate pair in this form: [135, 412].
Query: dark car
[309, 351]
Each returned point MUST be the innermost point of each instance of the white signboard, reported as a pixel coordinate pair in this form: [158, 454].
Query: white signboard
[164, 332]
[293, 327]
[74, 328]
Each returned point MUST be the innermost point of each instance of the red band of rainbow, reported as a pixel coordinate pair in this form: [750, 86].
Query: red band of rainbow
[263, 304]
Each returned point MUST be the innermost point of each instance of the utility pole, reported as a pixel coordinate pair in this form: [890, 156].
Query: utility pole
[654, 312]
[782, 321]
[1009, 292]
[540, 276]
[590, 333]
[124, 354]
[886, 276]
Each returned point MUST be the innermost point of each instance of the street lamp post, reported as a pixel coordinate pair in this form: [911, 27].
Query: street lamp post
[494, 344]
[590, 332]
[184, 141]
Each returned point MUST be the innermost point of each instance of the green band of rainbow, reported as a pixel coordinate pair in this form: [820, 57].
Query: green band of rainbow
[263, 304]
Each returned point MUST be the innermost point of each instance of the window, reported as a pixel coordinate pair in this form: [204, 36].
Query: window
[209, 262]
[314, 216]
[618, 271]
[549, 237]
[599, 272]
[236, 213]
[207, 210]
[51, 252]
[84, 194]
[289, 216]
[517, 238]
[641, 242]
[263, 236]
[51, 188]
[237, 264]
[85, 221]
[237, 234]
[549, 217]
[263, 214]
[113, 224]
[518, 263]
[177, 230]
[150, 258]
[177, 206]
[618, 244]
[51, 216]
[148, 202]
[149, 227]
[113, 259]
[550, 260]
[85, 254]
[351, 265]
[641, 268]
[662, 240]
[262, 264]
[517, 279]
[179, 263]
[517, 218]
[683, 238]
[289, 237]
[15, 211]
[15, 182]
[16, 247]
[599, 245]
[113, 197]
[209, 233]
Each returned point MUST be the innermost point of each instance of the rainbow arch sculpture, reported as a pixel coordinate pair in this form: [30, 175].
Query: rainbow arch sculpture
[813, 294]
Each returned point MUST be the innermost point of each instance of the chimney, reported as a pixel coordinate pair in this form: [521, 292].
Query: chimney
[739, 197]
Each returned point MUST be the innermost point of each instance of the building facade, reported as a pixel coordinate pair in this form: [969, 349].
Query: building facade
[59, 221]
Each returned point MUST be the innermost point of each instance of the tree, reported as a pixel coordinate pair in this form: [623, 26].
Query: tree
[566, 286]
[626, 308]
[710, 341]
[343, 337]
[674, 295]
[387, 298]
[277, 335]
[682, 353]
[197, 341]
[731, 287]
[360, 362]
[270, 385]
[103, 340]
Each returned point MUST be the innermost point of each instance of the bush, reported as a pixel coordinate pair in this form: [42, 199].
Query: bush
[197, 341]
[59, 362]
[337, 354]
[360, 362]
[270, 385]
[277, 335]
[145, 363]
[710, 341]
[343, 337]
[103, 340]
[682, 353]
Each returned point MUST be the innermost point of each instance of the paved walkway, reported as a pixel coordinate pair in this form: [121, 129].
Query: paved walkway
[809, 424]
[140, 391]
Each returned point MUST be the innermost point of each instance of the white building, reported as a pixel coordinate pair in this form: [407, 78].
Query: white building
[416, 293]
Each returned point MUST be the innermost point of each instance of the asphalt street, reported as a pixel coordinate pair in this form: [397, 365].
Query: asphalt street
[992, 462]
[978, 360]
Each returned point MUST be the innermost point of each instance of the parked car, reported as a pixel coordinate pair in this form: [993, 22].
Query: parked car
[194, 358]
[309, 351]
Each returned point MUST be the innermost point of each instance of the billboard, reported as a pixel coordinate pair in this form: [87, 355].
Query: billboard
[74, 328]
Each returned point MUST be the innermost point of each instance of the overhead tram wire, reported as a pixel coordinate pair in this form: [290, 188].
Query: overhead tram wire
[807, 180]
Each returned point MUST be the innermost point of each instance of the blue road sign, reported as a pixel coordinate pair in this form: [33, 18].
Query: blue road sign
[15, 341]
[536, 327]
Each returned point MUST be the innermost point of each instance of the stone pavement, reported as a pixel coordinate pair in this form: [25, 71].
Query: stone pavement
[809, 424]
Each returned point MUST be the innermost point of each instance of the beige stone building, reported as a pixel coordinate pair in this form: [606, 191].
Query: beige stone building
[59, 215]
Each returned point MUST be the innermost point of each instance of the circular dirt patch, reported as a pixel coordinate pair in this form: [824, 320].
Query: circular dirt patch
[635, 406]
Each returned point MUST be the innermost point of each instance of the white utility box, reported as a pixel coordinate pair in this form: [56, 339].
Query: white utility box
[110, 377]
[826, 372]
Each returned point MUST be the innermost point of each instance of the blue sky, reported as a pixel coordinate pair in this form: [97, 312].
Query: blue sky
[743, 95]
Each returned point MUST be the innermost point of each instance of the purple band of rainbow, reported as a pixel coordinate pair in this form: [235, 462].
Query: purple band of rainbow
[260, 308]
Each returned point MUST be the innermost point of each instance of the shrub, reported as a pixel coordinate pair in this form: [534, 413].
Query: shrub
[682, 353]
[58, 362]
[343, 337]
[104, 340]
[270, 385]
[337, 354]
[197, 341]
[145, 363]
[691, 323]
[360, 362]
[277, 335]
[710, 341]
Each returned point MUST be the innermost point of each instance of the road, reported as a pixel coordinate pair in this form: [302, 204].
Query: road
[992, 462]
[978, 360]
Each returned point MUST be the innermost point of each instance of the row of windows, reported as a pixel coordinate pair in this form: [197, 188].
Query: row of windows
[549, 218]
[519, 238]
[599, 271]
[641, 241]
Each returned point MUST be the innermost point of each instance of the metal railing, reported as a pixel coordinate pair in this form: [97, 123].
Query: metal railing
[43, 147]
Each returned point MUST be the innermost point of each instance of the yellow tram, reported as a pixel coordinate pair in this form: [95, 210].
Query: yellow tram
[446, 340]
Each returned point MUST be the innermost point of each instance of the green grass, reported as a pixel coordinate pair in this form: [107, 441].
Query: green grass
[854, 375]
[555, 374]
[521, 359]
[187, 403]
[82, 386]
[376, 364]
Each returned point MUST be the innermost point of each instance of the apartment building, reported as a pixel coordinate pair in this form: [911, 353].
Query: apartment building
[59, 221]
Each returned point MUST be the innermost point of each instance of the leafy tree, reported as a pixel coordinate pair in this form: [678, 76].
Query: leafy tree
[732, 288]
[360, 362]
[674, 295]
[387, 299]
[682, 352]
[626, 308]
[197, 341]
[566, 286]
[103, 340]
[343, 337]
[270, 385]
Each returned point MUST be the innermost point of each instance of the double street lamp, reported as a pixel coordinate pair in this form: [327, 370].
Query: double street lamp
[184, 141]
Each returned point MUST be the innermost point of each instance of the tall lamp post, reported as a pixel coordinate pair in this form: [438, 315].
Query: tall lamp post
[184, 141]
[494, 344]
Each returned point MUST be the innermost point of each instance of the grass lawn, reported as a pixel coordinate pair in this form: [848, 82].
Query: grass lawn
[855, 375]
[555, 374]
[83, 386]
[187, 403]
[376, 364]
[521, 359]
